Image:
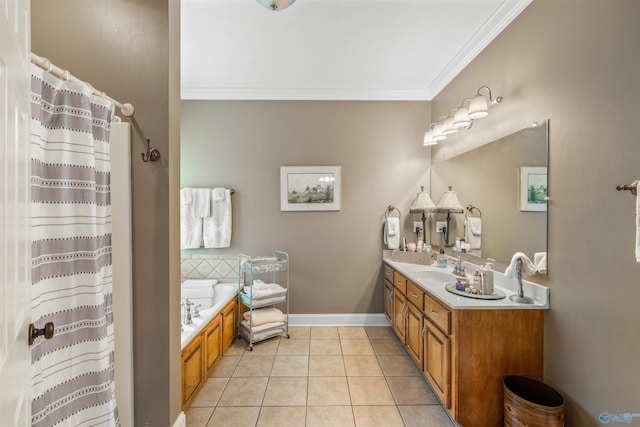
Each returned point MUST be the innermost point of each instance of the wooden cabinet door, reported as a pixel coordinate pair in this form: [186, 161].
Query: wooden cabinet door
[192, 370]
[229, 324]
[399, 306]
[213, 344]
[437, 362]
[388, 301]
[413, 339]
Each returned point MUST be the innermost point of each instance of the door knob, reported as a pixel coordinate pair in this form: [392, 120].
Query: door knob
[34, 332]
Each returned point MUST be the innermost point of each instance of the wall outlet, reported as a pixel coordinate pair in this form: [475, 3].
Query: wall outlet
[417, 226]
[440, 225]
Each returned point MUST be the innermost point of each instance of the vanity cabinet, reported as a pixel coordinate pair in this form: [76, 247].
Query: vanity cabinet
[213, 344]
[203, 353]
[464, 354]
[388, 293]
[229, 324]
[192, 370]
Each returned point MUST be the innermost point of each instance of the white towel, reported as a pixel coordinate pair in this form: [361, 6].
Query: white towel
[190, 226]
[637, 223]
[217, 227]
[392, 233]
[219, 194]
[264, 315]
[528, 267]
[540, 260]
[201, 206]
[473, 232]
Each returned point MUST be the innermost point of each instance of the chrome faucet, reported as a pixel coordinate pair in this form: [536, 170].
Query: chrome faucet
[196, 312]
[458, 269]
[187, 312]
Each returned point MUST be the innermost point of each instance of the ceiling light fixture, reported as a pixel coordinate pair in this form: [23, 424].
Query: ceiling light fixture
[276, 5]
[461, 117]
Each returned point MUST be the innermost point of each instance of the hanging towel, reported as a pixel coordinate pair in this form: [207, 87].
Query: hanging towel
[473, 232]
[219, 194]
[392, 233]
[217, 227]
[528, 267]
[540, 260]
[201, 202]
[637, 222]
[190, 226]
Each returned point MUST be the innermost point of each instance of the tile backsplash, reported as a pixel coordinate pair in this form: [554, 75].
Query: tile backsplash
[208, 266]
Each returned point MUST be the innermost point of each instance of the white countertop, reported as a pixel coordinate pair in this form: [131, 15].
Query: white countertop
[416, 272]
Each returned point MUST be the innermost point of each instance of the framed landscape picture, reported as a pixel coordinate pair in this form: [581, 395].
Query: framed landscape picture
[310, 188]
[533, 188]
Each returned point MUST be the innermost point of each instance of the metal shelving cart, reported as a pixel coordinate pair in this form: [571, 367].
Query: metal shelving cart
[273, 273]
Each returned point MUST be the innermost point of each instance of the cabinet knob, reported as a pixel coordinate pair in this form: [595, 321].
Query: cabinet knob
[34, 332]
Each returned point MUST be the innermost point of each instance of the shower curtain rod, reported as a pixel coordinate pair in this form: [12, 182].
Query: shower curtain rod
[127, 109]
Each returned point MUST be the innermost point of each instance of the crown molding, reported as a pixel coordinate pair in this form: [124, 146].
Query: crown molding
[303, 94]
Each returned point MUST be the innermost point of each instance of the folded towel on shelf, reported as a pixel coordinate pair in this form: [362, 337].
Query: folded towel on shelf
[392, 233]
[264, 315]
[540, 260]
[190, 226]
[217, 226]
[201, 206]
[263, 327]
[473, 232]
[528, 267]
[259, 284]
[266, 291]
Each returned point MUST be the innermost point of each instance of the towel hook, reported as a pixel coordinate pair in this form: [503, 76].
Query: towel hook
[152, 154]
[633, 187]
[470, 209]
[391, 209]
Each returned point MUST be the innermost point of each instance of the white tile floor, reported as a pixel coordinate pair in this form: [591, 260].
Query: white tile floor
[321, 376]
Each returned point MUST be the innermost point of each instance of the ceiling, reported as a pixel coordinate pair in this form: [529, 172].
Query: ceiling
[333, 49]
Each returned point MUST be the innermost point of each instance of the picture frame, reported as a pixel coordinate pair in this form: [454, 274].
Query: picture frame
[310, 188]
[533, 189]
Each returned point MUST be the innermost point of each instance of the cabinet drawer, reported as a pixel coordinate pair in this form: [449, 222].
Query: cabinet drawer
[415, 294]
[437, 313]
[400, 282]
[388, 273]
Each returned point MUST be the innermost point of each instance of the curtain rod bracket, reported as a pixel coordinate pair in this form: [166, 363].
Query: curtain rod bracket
[152, 154]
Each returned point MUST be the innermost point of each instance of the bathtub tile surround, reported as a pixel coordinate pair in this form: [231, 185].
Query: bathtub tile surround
[319, 390]
[208, 266]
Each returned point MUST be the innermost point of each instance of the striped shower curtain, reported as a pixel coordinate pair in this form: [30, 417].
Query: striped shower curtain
[73, 372]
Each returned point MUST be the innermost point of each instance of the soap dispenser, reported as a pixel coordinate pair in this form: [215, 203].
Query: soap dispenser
[487, 277]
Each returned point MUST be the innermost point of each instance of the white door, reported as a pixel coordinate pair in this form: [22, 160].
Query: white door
[15, 245]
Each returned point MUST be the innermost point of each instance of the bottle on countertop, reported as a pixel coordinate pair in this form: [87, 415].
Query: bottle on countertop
[477, 280]
[487, 277]
[442, 259]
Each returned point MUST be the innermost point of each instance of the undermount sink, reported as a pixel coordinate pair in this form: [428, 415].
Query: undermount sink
[434, 277]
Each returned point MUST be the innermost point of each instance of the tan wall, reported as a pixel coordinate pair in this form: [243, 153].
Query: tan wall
[576, 63]
[335, 256]
[122, 47]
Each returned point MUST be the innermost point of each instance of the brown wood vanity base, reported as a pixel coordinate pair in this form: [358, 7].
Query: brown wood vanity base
[464, 354]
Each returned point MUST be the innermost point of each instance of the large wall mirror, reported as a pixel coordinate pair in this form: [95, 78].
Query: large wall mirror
[506, 181]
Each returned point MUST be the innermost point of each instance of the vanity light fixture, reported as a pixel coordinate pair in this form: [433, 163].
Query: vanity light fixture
[461, 117]
[276, 5]
[449, 204]
[423, 204]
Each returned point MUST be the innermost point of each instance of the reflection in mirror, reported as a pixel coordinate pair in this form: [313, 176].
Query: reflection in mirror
[488, 178]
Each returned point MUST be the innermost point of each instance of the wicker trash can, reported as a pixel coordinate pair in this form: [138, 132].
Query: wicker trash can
[529, 402]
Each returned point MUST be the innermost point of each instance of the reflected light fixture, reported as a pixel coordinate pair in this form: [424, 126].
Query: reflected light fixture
[276, 5]
[461, 117]
[423, 204]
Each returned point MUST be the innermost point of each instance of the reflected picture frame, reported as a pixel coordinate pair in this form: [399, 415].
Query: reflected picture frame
[533, 189]
[310, 188]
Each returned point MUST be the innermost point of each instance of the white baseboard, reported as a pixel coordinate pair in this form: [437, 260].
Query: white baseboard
[181, 421]
[358, 319]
